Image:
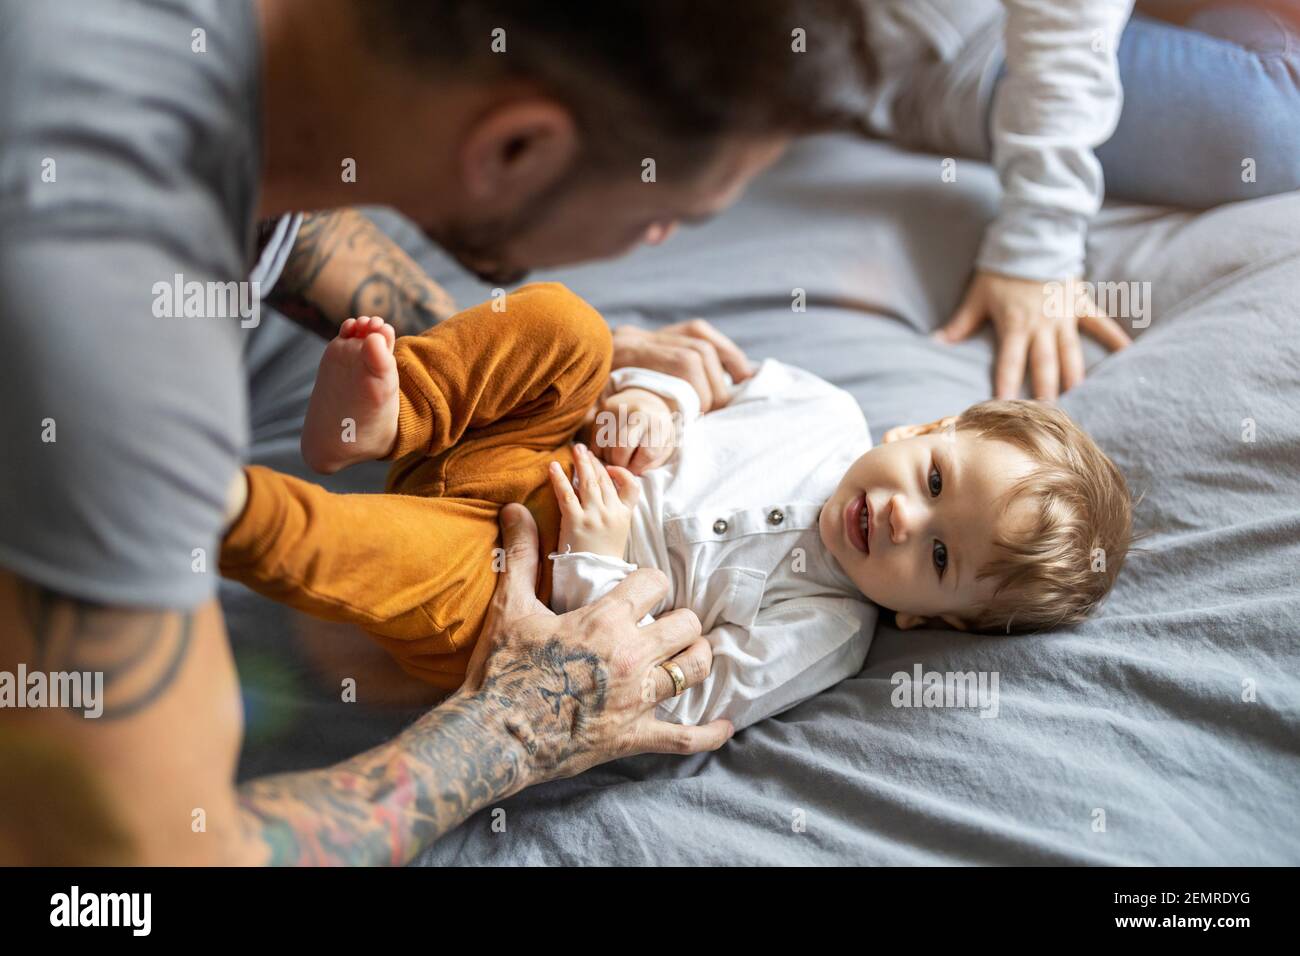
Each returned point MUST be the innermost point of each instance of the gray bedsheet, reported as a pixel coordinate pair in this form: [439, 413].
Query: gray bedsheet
[1165, 730]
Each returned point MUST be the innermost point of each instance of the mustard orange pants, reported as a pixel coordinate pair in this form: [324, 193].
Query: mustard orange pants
[488, 399]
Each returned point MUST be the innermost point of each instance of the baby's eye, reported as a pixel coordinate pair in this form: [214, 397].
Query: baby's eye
[940, 554]
[936, 481]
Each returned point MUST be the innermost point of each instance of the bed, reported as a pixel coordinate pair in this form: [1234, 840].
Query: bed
[1165, 730]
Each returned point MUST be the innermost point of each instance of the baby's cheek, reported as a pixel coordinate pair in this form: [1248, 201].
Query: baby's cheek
[891, 584]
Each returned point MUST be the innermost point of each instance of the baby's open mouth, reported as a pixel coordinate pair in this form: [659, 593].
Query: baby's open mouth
[857, 523]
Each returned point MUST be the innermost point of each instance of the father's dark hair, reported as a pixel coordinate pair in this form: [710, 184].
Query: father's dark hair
[649, 77]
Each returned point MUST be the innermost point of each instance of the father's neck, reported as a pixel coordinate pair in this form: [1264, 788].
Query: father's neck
[327, 99]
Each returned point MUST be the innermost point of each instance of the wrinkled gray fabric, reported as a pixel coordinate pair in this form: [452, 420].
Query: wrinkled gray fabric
[128, 167]
[1136, 719]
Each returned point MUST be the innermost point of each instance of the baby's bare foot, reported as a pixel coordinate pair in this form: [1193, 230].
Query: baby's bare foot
[352, 416]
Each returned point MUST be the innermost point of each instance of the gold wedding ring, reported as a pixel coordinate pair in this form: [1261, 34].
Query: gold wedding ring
[675, 672]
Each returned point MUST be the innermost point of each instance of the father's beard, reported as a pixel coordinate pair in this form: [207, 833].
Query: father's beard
[481, 247]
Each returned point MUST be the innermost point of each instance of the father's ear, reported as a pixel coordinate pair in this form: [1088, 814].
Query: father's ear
[911, 431]
[516, 150]
[906, 622]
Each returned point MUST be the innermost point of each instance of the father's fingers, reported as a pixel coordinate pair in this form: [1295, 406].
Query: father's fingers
[733, 359]
[695, 663]
[666, 738]
[710, 365]
[684, 363]
[639, 593]
[517, 593]
[516, 590]
[673, 633]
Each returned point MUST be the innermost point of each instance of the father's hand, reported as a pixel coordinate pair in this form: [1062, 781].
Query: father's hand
[580, 689]
[1028, 330]
[694, 351]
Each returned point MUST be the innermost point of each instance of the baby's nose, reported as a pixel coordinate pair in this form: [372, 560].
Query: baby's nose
[900, 519]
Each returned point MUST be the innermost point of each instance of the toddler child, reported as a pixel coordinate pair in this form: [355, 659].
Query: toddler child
[773, 517]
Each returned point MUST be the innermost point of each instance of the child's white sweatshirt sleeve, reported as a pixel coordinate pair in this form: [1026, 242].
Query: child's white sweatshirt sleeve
[1058, 101]
[579, 578]
[678, 392]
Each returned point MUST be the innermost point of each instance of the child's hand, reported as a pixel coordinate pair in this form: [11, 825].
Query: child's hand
[634, 429]
[598, 515]
[1048, 339]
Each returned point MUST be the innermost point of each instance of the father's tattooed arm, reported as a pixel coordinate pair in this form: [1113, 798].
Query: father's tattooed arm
[140, 774]
[150, 781]
[384, 806]
[342, 266]
[528, 721]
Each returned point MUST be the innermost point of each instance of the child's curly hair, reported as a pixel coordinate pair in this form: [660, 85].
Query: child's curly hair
[1059, 568]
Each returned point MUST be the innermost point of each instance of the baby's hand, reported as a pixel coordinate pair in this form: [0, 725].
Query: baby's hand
[598, 515]
[634, 429]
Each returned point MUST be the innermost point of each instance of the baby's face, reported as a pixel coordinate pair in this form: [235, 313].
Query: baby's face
[929, 496]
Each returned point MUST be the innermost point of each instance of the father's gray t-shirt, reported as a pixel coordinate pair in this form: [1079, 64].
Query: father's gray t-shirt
[129, 156]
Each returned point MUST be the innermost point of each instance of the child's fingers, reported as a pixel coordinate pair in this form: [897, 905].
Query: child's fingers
[588, 489]
[629, 489]
[1072, 367]
[636, 464]
[617, 455]
[563, 488]
[345, 330]
[627, 447]
[1009, 372]
[1106, 331]
[970, 315]
[646, 457]
[607, 489]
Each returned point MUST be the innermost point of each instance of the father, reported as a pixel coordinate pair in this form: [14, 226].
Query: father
[142, 143]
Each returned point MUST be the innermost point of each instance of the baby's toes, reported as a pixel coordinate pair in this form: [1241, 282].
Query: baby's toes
[377, 353]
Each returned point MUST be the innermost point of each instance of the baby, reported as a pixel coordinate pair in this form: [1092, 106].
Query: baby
[774, 518]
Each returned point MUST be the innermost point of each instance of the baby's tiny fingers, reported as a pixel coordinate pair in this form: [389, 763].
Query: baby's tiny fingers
[563, 488]
[626, 446]
[648, 457]
[607, 489]
[601, 489]
[586, 478]
[629, 489]
[617, 455]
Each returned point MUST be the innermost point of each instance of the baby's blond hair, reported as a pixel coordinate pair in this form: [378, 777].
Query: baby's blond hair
[1058, 569]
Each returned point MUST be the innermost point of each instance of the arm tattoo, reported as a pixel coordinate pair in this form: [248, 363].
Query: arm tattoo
[342, 266]
[531, 716]
[318, 239]
[139, 653]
